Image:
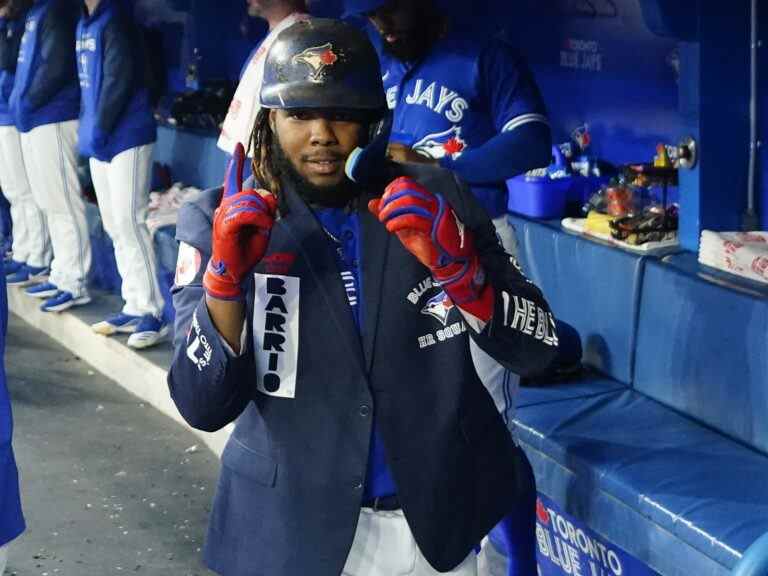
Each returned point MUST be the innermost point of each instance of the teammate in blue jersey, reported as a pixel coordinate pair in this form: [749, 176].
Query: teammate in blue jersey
[470, 104]
[466, 102]
[31, 248]
[45, 103]
[117, 132]
[335, 323]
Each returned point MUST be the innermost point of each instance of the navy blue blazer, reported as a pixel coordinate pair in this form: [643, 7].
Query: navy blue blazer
[11, 519]
[304, 391]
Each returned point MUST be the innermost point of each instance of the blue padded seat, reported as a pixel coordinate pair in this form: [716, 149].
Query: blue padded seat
[590, 384]
[702, 347]
[593, 287]
[673, 493]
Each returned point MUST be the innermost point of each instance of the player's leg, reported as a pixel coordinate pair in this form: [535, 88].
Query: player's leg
[116, 322]
[514, 538]
[31, 244]
[510, 549]
[13, 193]
[506, 233]
[3, 558]
[129, 181]
[57, 188]
[32, 158]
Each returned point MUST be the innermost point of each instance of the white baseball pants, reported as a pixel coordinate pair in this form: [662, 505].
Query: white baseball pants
[50, 156]
[122, 188]
[384, 546]
[3, 558]
[31, 243]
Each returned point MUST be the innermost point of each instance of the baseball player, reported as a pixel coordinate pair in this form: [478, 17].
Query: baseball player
[333, 323]
[45, 103]
[31, 249]
[469, 104]
[117, 132]
[11, 517]
[244, 107]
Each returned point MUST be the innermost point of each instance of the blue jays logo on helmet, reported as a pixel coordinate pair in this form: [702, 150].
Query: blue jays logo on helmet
[439, 307]
[440, 144]
[318, 58]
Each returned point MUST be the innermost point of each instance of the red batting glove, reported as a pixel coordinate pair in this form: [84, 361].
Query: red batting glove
[241, 228]
[430, 230]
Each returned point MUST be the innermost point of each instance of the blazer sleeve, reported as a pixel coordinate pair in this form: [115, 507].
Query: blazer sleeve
[521, 334]
[207, 383]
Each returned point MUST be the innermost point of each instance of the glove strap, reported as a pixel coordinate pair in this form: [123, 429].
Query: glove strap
[218, 285]
[465, 283]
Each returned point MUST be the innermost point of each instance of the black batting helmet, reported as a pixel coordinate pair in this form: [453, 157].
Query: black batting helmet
[322, 63]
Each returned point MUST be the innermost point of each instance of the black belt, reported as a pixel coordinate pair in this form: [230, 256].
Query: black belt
[383, 503]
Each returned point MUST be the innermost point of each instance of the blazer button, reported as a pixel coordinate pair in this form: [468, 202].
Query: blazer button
[358, 483]
[365, 410]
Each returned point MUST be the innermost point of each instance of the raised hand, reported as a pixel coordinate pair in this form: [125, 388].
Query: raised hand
[241, 227]
[430, 230]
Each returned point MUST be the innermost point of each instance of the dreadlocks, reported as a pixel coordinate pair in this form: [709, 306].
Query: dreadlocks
[264, 169]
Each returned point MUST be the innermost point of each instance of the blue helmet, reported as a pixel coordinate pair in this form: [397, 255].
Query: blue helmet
[322, 63]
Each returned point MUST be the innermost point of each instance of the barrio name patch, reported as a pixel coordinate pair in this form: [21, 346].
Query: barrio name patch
[276, 334]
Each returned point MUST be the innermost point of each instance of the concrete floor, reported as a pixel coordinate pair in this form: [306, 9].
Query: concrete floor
[110, 485]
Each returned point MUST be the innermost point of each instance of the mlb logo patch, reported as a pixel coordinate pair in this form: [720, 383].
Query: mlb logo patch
[188, 264]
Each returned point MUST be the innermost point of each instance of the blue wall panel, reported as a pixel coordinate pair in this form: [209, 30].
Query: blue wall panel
[604, 68]
[194, 159]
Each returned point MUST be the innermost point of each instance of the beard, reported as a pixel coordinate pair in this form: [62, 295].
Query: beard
[419, 41]
[411, 50]
[334, 196]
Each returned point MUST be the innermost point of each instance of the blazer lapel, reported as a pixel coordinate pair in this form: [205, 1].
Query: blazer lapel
[375, 248]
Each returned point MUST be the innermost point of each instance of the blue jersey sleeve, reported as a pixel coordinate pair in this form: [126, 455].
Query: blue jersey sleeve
[508, 92]
[507, 87]
[118, 75]
[56, 65]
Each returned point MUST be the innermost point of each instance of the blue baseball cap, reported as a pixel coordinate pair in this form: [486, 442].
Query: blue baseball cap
[358, 7]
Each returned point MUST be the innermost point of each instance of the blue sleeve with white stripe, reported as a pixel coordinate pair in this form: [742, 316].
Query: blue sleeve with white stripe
[504, 156]
[509, 93]
[507, 88]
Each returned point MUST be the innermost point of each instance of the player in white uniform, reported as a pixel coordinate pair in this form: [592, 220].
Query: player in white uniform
[117, 133]
[31, 249]
[244, 107]
[45, 103]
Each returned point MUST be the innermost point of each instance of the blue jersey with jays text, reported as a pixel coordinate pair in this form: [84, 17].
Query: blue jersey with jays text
[115, 113]
[465, 91]
[45, 89]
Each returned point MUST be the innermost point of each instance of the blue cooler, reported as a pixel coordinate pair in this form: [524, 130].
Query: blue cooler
[541, 193]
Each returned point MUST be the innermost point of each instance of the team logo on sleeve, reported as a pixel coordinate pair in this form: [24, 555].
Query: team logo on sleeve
[441, 144]
[187, 264]
[317, 58]
[431, 300]
[276, 334]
